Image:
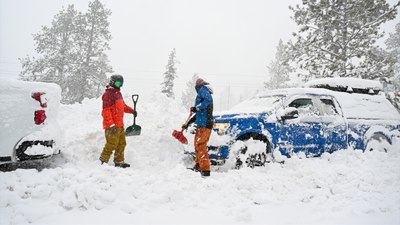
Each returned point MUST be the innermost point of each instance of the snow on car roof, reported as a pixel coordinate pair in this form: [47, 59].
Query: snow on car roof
[364, 103]
[354, 105]
[6, 83]
[364, 106]
[293, 91]
[13, 90]
[354, 83]
[268, 100]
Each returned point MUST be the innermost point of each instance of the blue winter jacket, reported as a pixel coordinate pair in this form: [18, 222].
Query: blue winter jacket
[204, 105]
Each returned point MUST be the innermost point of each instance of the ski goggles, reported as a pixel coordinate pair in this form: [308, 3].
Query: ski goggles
[118, 84]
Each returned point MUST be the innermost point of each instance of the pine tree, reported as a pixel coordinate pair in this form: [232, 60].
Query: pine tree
[279, 70]
[393, 46]
[92, 42]
[189, 95]
[72, 53]
[170, 75]
[55, 45]
[338, 38]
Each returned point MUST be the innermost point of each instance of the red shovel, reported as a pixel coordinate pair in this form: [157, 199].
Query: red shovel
[179, 134]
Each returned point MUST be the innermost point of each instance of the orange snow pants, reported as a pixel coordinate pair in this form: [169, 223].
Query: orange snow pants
[200, 146]
[115, 141]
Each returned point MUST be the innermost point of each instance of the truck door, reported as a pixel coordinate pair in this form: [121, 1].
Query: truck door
[333, 124]
[302, 134]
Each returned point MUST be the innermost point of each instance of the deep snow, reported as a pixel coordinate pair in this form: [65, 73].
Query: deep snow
[347, 187]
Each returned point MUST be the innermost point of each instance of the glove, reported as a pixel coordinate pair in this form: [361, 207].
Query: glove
[184, 126]
[193, 109]
[112, 129]
[134, 113]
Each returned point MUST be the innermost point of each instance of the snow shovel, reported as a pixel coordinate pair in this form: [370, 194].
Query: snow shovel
[133, 130]
[179, 134]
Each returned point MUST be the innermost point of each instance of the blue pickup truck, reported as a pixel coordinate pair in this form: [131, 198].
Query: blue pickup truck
[325, 116]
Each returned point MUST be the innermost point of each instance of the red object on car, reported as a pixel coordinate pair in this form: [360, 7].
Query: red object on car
[40, 116]
[38, 97]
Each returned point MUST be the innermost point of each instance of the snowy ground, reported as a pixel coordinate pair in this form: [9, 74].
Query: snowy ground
[347, 187]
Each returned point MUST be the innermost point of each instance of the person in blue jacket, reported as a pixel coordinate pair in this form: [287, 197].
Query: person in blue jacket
[204, 121]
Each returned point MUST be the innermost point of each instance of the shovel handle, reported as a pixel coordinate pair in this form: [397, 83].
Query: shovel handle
[190, 115]
[135, 99]
[187, 120]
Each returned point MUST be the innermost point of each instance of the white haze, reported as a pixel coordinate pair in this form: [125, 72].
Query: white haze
[228, 43]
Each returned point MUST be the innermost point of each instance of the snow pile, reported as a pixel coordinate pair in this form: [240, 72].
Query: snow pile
[39, 150]
[347, 187]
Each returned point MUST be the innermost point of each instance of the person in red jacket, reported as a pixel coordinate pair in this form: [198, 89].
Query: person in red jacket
[114, 108]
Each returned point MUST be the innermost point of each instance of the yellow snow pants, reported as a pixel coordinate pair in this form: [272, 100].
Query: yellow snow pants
[114, 141]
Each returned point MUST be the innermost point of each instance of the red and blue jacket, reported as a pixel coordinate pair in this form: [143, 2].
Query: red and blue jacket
[114, 108]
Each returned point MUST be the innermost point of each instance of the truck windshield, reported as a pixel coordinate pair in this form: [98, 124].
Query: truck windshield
[259, 104]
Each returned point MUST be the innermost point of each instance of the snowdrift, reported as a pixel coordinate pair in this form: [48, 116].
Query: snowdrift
[347, 187]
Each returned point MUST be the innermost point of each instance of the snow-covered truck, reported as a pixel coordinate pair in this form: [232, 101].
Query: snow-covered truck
[325, 116]
[29, 129]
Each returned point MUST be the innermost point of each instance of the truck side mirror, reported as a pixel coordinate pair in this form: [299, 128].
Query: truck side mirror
[290, 113]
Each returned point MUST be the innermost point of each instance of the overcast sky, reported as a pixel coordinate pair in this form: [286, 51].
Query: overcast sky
[227, 42]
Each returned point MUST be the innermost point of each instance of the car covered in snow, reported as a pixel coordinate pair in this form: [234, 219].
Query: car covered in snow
[28, 129]
[325, 116]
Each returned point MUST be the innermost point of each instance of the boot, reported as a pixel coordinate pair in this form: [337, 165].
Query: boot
[122, 165]
[196, 167]
[205, 173]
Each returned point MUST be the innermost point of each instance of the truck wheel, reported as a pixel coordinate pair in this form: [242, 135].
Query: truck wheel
[253, 153]
[378, 142]
[258, 159]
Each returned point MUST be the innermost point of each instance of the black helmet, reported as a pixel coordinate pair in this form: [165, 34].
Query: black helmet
[116, 81]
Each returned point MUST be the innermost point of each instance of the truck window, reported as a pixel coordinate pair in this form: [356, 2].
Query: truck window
[304, 106]
[328, 106]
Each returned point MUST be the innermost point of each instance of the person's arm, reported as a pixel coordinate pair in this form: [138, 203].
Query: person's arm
[120, 104]
[186, 125]
[191, 120]
[206, 97]
[128, 109]
[107, 118]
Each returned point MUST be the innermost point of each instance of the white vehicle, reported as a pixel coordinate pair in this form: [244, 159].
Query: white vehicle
[28, 120]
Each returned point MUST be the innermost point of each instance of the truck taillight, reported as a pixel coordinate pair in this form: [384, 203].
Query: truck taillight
[40, 116]
[38, 96]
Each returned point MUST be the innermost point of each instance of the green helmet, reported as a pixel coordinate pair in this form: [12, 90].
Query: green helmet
[116, 81]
